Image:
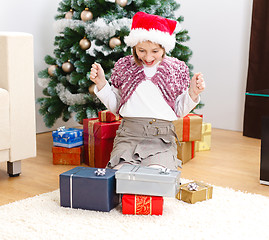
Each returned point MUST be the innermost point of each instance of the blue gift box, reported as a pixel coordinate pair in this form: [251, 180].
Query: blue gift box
[69, 138]
[81, 187]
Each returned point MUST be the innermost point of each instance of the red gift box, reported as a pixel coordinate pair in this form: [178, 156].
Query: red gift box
[67, 156]
[98, 141]
[142, 205]
[107, 116]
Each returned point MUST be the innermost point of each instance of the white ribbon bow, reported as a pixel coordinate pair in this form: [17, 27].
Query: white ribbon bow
[193, 186]
[61, 129]
[164, 171]
[100, 172]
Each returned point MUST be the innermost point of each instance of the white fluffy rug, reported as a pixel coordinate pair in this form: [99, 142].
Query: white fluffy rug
[229, 215]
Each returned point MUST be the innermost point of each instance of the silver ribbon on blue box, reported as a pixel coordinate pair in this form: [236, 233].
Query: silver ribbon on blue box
[82, 188]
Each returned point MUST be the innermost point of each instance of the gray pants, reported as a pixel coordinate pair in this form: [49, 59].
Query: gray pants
[145, 142]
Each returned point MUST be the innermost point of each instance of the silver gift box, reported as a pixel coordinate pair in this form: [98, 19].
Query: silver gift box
[132, 179]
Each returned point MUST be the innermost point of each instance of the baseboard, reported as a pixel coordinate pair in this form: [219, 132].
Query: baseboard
[264, 182]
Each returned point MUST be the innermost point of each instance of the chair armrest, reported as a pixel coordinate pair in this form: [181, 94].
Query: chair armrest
[17, 77]
[4, 120]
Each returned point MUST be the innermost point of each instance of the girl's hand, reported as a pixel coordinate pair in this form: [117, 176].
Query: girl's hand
[197, 85]
[97, 75]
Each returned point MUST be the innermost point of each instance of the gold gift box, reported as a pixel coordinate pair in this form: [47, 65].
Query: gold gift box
[186, 151]
[205, 143]
[189, 128]
[204, 192]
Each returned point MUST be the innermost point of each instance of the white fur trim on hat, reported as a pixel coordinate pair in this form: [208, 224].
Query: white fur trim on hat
[140, 35]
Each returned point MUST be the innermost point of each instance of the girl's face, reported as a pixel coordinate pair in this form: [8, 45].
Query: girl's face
[149, 53]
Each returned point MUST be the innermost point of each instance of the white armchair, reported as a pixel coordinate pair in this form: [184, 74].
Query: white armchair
[17, 101]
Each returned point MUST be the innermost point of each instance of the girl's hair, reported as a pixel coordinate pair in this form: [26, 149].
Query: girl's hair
[138, 61]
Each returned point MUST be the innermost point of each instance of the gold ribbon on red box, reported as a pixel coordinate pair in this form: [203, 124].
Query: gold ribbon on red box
[91, 142]
[98, 141]
[142, 204]
[107, 116]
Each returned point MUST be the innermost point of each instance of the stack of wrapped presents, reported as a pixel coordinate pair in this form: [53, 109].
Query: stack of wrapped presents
[99, 134]
[188, 130]
[141, 190]
[67, 146]
[138, 190]
[193, 136]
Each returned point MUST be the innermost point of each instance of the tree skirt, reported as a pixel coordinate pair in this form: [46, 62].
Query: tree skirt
[228, 215]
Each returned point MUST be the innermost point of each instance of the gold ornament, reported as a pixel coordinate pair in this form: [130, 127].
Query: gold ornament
[69, 14]
[84, 43]
[86, 15]
[91, 89]
[68, 67]
[113, 42]
[122, 3]
[51, 70]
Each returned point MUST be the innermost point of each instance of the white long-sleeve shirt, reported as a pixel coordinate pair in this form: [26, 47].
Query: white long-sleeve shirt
[146, 101]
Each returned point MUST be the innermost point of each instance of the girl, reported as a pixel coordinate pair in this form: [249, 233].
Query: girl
[149, 90]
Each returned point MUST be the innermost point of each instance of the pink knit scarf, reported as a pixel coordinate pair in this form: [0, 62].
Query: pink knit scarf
[172, 78]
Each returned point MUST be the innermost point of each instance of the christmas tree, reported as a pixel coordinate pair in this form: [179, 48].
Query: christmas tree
[93, 31]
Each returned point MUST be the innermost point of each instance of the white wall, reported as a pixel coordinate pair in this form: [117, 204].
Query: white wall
[35, 17]
[219, 31]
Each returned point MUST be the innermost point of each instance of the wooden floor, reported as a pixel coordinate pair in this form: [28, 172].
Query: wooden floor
[233, 161]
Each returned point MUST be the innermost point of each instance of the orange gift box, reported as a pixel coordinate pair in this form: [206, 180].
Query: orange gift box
[142, 205]
[67, 156]
[189, 128]
[98, 141]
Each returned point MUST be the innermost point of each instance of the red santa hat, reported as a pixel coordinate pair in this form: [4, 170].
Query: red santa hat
[147, 27]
